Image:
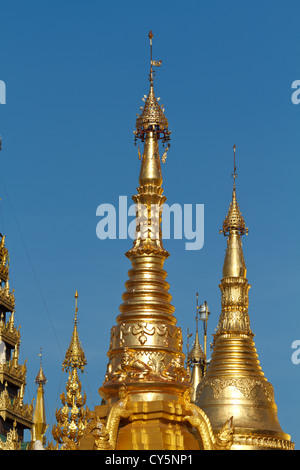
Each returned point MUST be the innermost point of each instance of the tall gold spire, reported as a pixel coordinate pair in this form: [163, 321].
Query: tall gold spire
[145, 352]
[235, 384]
[146, 391]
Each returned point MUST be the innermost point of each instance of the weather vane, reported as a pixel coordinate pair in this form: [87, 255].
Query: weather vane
[155, 63]
[152, 118]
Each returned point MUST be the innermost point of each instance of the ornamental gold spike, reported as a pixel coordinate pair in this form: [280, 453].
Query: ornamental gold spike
[75, 357]
[234, 220]
[152, 118]
[72, 417]
[39, 419]
[234, 384]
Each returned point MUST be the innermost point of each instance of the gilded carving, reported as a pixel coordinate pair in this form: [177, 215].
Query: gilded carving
[198, 419]
[262, 441]
[140, 329]
[127, 365]
[157, 363]
[243, 385]
[118, 411]
[101, 435]
[234, 292]
[12, 441]
[234, 320]
[145, 333]
[8, 332]
[146, 364]
[175, 370]
[15, 406]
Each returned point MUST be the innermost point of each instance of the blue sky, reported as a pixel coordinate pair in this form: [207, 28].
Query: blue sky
[75, 73]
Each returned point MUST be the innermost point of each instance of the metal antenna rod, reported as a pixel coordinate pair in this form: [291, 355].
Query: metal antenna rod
[150, 36]
[234, 166]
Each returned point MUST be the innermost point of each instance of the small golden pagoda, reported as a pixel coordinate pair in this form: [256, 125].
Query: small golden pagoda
[15, 415]
[146, 391]
[234, 384]
[196, 360]
[72, 417]
[38, 438]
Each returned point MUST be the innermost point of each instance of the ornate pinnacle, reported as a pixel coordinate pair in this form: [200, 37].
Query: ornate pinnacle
[234, 219]
[75, 357]
[40, 378]
[196, 353]
[152, 117]
[72, 417]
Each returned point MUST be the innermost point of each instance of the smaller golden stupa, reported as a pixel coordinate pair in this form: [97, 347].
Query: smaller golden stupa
[72, 416]
[234, 384]
[38, 437]
[196, 359]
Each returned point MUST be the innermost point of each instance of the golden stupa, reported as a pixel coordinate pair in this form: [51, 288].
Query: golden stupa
[147, 391]
[234, 384]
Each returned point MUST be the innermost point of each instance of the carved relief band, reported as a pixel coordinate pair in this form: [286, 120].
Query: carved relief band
[243, 385]
[137, 334]
[149, 365]
[234, 292]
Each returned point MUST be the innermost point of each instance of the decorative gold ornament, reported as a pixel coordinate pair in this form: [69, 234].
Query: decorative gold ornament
[72, 417]
[101, 435]
[75, 357]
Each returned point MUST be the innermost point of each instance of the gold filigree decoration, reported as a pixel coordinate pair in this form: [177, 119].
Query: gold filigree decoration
[243, 385]
[127, 366]
[234, 320]
[72, 416]
[140, 329]
[163, 335]
[148, 365]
